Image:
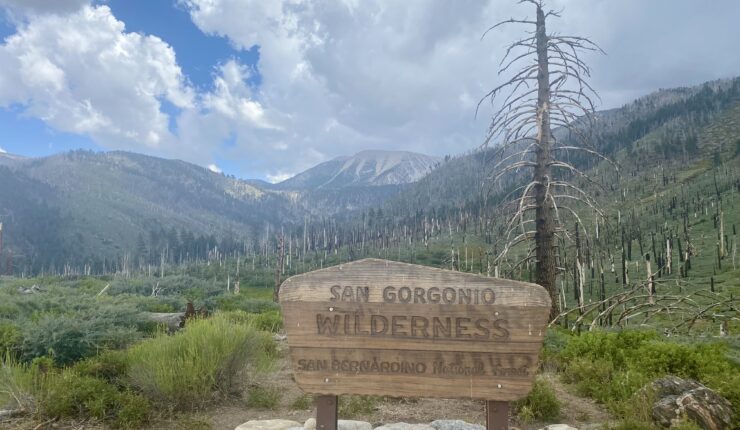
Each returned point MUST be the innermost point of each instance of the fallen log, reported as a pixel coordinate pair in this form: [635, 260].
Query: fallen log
[9, 413]
[173, 321]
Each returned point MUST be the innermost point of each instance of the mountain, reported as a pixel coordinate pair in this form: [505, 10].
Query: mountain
[93, 207]
[673, 127]
[102, 205]
[366, 168]
[117, 208]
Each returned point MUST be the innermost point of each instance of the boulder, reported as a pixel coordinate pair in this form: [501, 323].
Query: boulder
[405, 426]
[676, 397]
[455, 425]
[268, 425]
[310, 424]
[353, 425]
[558, 427]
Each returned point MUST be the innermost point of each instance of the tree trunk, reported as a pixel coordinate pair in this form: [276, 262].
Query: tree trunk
[545, 225]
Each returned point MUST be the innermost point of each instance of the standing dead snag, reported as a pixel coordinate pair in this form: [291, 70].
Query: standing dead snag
[548, 93]
[279, 267]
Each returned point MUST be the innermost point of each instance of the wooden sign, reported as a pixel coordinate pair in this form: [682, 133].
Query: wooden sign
[389, 328]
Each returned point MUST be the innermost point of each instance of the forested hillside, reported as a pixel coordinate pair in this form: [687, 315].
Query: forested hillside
[103, 207]
[118, 211]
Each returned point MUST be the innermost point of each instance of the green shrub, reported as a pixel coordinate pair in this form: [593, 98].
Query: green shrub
[303, 402]
[67, 394]
[70, 337]
[16, 385]
[357, 406]
[48, 392]
[242, 303]
[109, 365]
[685, 424]
[263, 397]
[134, 410]
[555, 341]
[185, 370]
[10, 339]
[541, 403]
[632, 424]
[271, 321]
[612, 367]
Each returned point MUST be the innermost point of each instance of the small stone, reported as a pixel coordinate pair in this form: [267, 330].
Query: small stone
[405, 426]
[455, 425]
[310, 424]
[268, 425]
[353, 425]
[558, 427]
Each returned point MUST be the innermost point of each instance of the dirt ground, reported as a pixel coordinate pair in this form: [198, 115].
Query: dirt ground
[576, 411]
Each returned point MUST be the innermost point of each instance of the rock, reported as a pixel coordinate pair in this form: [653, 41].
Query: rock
[676, 397]
[268, 425]
[353, 425]
[310, 424]
[455, 425]
[405, 426]
[558, 427]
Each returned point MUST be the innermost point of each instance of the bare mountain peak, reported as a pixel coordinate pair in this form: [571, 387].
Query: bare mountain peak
[365, 168]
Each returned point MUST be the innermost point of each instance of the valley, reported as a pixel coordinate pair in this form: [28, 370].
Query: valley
[95, 245]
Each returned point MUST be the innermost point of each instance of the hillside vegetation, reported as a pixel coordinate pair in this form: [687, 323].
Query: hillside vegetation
[81, 345]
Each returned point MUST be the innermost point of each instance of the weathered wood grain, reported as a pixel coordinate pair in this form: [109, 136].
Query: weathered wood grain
[382, 327]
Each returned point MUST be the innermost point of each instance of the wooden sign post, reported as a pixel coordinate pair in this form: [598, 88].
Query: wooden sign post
[386, 328]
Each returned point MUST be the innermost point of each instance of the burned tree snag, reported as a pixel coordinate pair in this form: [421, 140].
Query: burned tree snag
[548, 91]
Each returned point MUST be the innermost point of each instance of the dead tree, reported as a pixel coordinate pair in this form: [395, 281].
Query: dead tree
[549, 91]
[279, 267]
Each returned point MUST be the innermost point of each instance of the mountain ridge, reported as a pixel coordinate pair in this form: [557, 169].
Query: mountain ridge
[365, 168]
[83, 207]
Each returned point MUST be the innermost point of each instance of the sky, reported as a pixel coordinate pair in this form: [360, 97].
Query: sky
[266, 89]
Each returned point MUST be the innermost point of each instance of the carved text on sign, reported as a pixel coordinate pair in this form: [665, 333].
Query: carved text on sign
[361, 327]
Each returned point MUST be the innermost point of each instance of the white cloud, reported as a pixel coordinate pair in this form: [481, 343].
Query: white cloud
[81, 72]
[3, 151]
[348, 75]
[279, 177]
[26, 7]
[339, 77]
[232, 97]
[214, 168]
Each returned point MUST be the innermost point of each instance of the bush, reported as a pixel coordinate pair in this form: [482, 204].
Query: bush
[632, 424]
[48, 392]
[541, 404]
[10, 339]
[110, 366]
[70, 337]
[271, 321]
[263, 397]
[612, 367]
[67, 394]
[185, 370]
[356, 406]
[241, 303]
[16, 385]
[303, 402]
